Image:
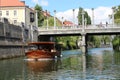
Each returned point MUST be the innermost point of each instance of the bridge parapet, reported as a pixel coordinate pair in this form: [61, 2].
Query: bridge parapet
[79, 30]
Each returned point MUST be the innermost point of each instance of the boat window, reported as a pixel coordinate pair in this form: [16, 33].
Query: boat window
[33, 47]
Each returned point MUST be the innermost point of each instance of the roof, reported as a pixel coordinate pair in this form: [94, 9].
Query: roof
[67, 22]
[46, 13]
[11, 3]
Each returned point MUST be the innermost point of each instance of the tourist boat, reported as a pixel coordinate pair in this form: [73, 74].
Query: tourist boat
[42, 50]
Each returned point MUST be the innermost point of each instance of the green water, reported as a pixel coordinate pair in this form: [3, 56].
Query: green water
[99, 64]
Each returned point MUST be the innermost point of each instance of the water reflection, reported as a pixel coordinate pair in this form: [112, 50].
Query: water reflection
[101, 65]
[43, 65]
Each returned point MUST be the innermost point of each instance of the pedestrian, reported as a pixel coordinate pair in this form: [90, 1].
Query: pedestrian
[106, 23]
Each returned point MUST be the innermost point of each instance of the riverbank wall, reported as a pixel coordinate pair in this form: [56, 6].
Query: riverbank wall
[12, 39]
[11, 51]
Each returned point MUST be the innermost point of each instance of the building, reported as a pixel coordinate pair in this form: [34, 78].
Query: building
[68, 23]
[46, 13]
[18, 13]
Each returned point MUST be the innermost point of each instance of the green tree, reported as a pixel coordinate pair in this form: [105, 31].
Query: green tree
[40, 15]
[117, 14]
[116, 42]
[85, 16]
[51, 22]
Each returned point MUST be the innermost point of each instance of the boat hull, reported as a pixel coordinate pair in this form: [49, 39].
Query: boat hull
[37, 54]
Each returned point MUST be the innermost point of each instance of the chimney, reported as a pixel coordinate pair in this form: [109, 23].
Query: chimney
[23, 2]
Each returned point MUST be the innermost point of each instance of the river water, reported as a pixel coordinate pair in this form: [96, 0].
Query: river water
[98, 64]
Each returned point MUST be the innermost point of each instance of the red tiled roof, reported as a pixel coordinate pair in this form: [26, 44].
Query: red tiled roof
[46, 13]
[67, 22]
[5, 3]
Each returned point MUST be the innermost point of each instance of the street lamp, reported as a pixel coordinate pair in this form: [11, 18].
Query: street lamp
[73, 18]
[36, 18]
[54, 19]
[113, 10]
[62, 22]
[109, 16]
[83, 25]
[85, 22]
[93, 16]
[47, 19]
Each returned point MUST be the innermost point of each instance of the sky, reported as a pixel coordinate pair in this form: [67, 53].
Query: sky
[102, 8]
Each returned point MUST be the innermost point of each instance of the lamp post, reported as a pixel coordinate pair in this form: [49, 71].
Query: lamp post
[54, 19]
[93, 16]
[73, 18]
[109, 16]
[47, 19]
[85, 22]
[62, 22]
[83, 25]
[36, 18]
[113, 10]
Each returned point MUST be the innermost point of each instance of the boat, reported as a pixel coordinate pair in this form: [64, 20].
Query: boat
[39, 50]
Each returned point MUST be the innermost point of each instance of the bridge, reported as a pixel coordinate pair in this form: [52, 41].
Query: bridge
[81, 30]
[78, 30]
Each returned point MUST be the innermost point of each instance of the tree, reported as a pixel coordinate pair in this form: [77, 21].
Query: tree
[117, 14]
[51, 22]
[40, 15]
[116, 42]
[85, 16]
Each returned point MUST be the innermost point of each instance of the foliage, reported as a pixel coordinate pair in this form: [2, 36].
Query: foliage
[116, 42]
[86, 16]
[95, 41]
[117, 14]
[51, 22]
[40, 15]
[67, 39]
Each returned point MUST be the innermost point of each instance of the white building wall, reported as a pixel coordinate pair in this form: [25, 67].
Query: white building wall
[19, 17]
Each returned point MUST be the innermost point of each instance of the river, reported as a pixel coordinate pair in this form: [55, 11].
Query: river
[99, 64]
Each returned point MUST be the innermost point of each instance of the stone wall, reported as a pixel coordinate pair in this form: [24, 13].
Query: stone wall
[11, 51]
[11, 40]
[10, 34]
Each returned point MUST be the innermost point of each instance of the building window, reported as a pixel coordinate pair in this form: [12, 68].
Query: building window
[15, 21]
[0, 13]
[15, 13]
[31, 17]
[7, 13]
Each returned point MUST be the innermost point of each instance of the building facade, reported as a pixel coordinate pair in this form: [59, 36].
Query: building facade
[18, 13]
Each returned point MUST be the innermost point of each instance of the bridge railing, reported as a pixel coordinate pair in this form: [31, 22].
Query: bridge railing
[97, 26]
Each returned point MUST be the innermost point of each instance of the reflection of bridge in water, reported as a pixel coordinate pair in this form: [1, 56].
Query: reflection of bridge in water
[79, 30]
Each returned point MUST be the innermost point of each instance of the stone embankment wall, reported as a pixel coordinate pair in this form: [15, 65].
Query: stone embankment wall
[11, 51]
[11, 40]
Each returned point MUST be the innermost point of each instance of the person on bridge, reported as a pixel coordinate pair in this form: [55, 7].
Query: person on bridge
[106, 23]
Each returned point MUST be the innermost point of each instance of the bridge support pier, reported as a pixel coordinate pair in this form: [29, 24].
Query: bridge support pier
[84, 43]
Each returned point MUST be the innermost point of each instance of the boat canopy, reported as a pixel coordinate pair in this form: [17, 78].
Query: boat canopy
[41, 43]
